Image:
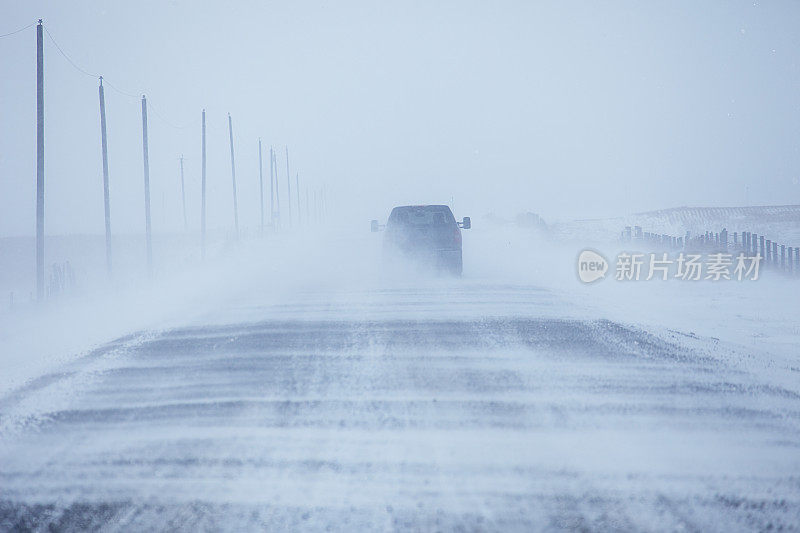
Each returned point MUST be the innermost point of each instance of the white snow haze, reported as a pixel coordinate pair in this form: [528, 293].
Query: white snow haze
[297, 354]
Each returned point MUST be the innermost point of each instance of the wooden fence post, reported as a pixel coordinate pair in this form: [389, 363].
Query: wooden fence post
[797, 259]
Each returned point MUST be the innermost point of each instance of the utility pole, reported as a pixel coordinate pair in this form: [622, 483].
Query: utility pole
[203, 191]
[289, 190]
[271, 191]
[146, 157]
[261, 184]
[39, 162]
[297, 187]
[320, 207]
[104, 146]
[233, 178]
[183, 199]
[277, 189]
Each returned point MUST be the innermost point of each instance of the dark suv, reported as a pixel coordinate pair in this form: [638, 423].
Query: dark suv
[427, 234]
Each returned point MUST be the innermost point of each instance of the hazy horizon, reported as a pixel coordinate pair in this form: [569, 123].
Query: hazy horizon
[600, 111]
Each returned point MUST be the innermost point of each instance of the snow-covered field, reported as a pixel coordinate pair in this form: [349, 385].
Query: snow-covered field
[291, 383]
[779, 223]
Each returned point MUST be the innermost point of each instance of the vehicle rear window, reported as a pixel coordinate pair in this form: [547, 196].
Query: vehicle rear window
[429, 215]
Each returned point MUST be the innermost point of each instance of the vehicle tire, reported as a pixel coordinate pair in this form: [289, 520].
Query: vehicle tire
[457, 266]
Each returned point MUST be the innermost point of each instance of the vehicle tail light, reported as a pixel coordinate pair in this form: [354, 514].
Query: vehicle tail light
[457, 237]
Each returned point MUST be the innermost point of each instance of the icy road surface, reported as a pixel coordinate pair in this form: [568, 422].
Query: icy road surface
[433, 406]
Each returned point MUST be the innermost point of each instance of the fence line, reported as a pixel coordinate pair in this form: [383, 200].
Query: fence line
[775, 256]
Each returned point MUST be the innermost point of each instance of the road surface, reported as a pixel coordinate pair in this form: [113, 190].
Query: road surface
[438, 405]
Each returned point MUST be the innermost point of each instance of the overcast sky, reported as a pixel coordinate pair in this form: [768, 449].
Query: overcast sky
[565, 109]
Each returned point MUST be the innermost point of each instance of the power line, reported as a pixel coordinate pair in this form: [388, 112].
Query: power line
[17, 31]
[84, 71]
[120, 91]
[164, 119]
[63, 53]
[114, 87]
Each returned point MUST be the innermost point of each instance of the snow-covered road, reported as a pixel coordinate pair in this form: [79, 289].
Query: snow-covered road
[433, 405]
